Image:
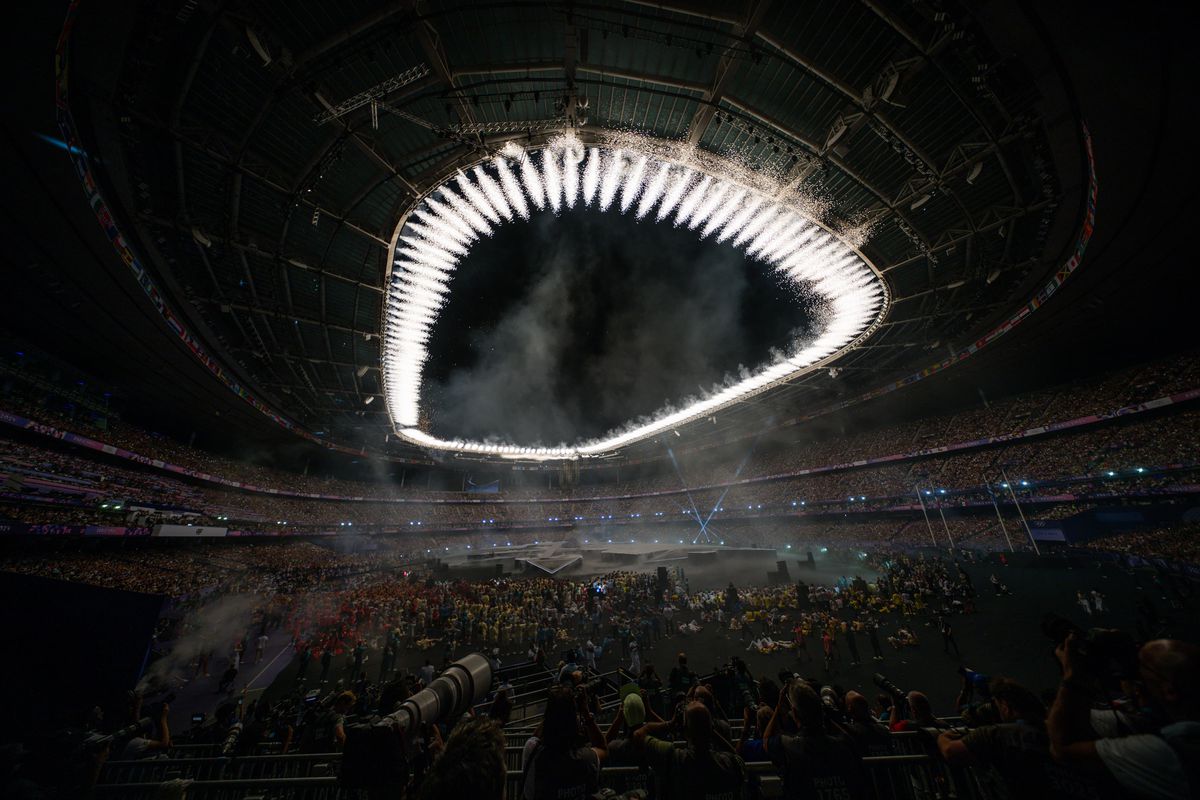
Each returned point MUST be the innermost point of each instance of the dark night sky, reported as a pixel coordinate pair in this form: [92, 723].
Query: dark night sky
[565, 327]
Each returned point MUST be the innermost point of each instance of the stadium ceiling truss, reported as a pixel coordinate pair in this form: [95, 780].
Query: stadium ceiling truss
[268, 183]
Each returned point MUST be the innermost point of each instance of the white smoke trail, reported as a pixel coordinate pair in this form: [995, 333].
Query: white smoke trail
[610, 178]
[682, 181]
[653, 191]
[512, 189]
[552, 178]
[633, 184]
[591, 176]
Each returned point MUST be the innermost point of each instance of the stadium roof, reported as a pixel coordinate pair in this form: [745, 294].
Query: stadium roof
[257, 159]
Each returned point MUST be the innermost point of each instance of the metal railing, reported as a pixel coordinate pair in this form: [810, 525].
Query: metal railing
[894, 777]
[153, 770]
[291, 788]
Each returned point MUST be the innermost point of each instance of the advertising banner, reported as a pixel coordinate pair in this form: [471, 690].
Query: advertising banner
[188, 531]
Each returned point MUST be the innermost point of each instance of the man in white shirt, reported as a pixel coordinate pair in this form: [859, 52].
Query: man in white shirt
[1147, 765]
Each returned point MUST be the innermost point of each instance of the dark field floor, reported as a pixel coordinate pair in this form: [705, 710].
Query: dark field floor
[1003, 638]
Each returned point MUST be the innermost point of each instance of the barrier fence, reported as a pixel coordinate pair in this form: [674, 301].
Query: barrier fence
[896, 777]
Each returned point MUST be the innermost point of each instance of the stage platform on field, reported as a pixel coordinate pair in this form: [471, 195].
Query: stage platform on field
[706, 565]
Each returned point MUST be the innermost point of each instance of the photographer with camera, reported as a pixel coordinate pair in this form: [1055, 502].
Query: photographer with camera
[1018, 748]
[868, 735]
[705, 767]
[682, 678]
[142, 746]
[704, 694]
[755, 720]
[813, 762]
[1163, 764]
[471, 764]
[326, 732]
[632, 714]
[556, 761]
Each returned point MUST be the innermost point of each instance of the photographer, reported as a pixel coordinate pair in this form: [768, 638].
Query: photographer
[1018, 748]
[704, 694]
[754, 723]
[867, 734]
[470, 765]
[555, 761]
[1165, 764]
[913, 714]
[652, 686]
[632, 713]
[705, 767]
[681, 679]
[143, 746]
[327, 732]
[812, 763]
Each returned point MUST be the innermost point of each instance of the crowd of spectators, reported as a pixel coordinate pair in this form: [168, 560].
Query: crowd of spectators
[1169, 441]
[190, 569]
[66, 488]
[1176, 543]
[1151, 457]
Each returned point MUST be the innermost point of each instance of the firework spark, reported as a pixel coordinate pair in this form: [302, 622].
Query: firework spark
[722, 200]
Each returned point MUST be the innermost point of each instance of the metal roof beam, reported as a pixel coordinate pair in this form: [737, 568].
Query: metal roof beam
[435, 54]
[634, 75]
[518, 69]
[329, 362]
[226, 160]
[1000, 221]
[246, 247]
[727, 66]
[927, 52]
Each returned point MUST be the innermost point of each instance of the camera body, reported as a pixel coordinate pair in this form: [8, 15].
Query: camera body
[1104, 653]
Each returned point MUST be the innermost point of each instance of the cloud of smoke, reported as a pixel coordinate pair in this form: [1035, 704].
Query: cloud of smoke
[211, 628]
[620, 320]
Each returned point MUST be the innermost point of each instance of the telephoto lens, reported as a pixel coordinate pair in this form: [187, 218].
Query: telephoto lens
[374, 756]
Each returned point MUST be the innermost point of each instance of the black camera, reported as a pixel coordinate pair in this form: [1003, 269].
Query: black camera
[229, 746]
[92, 742]
[1104, 653]
[898, 695]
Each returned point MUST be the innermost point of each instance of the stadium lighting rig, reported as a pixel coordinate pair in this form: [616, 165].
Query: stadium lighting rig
[654, 180]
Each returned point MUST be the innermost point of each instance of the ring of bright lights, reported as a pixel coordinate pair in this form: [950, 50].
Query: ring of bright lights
[712, 196]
